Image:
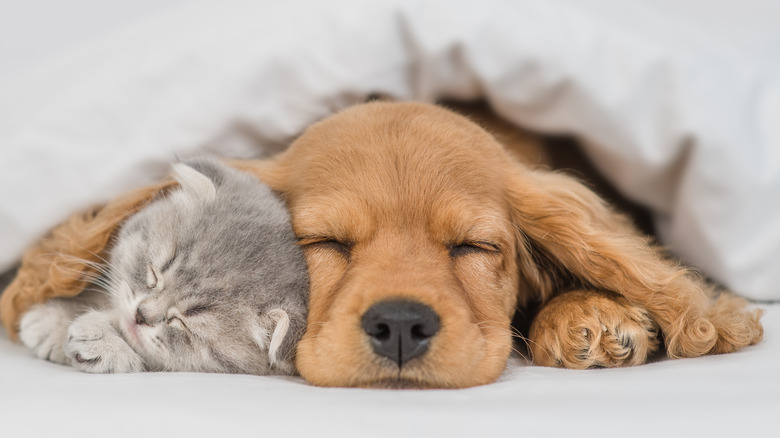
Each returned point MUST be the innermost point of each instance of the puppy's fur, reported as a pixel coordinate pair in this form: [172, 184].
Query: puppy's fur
[411, 201]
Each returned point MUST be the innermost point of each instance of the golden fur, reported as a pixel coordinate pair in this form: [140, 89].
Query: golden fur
[379, 193]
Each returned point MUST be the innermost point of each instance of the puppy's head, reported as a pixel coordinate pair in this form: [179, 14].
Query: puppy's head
[412, 252]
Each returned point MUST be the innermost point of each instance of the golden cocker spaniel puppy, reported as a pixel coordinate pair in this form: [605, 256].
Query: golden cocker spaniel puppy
[423, 235]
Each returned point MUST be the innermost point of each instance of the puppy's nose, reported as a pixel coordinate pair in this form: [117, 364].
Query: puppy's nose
[400, 330]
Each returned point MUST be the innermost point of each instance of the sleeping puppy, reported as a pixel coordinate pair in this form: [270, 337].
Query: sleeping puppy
[423, 236]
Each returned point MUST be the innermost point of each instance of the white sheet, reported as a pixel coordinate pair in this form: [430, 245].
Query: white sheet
[676, 102]
[736, 395]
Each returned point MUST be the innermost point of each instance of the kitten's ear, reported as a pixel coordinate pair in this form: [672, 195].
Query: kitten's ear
[195, 183]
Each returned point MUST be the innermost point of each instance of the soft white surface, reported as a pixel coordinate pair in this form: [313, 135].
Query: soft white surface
[736, 395]
[676, 101]
[33, 30]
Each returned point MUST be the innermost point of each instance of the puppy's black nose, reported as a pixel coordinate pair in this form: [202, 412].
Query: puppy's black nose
[400, 330]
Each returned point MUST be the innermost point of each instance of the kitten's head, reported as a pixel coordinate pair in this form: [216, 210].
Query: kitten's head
[211, 278]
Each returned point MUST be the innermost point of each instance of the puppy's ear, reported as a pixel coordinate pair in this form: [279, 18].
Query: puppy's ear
[61, 264]
[558, 220]
[568, 236]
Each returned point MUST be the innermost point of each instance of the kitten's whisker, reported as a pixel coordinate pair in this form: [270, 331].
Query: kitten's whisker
[108, 264]
[81, 261]
[98, 290]
[104, 267]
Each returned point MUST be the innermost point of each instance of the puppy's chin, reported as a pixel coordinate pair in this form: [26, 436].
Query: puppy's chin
[347, 361]
[399, 384]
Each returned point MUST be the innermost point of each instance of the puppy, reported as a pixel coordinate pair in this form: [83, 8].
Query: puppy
[423, 235]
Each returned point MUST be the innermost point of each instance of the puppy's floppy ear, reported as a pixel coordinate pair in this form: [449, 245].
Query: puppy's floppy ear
[557, 219]
[568, 236]
[60, 264]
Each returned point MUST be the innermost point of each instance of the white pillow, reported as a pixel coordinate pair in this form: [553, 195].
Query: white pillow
[676, 103]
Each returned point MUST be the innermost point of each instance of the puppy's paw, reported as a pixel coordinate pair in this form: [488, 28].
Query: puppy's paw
[592, 329]
[44, 329]
[94, 346]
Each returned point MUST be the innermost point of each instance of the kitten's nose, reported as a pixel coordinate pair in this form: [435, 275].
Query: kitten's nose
[400, 330]
[140, 319]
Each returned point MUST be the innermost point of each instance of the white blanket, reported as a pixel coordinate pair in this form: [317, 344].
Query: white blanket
[676, 101]
[736, 395]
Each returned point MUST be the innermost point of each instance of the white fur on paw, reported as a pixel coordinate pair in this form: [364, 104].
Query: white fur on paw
[95, 347]
[44, 329]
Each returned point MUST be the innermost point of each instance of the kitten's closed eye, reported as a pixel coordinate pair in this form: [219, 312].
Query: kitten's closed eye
[175, 321]
[198, 308]
[151, 277]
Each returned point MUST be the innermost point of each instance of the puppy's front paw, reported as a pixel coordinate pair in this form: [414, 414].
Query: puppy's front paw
[592, 329]
[44, 329]
[94, 346]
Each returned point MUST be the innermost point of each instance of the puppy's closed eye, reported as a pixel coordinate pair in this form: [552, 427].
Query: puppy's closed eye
[467, 248]
[327, 243]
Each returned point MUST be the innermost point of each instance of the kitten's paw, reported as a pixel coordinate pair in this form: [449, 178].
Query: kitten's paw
[44, 329]
[591, 329]
[94, 346]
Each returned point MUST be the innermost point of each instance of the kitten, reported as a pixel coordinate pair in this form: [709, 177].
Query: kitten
[209, 278]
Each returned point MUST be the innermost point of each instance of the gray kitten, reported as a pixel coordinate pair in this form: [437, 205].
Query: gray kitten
[209, 278]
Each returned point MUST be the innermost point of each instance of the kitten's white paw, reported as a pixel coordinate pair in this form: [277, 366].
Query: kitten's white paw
[44, 329]
[94, 346]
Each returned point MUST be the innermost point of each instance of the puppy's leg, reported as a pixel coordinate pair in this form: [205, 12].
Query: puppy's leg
[570, 233]
[589, 329]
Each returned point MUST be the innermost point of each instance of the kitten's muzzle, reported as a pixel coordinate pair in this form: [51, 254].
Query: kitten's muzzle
[400, 330]
[140, 318]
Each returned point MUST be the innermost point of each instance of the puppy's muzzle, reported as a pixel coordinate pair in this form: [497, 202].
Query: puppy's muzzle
[400, 330]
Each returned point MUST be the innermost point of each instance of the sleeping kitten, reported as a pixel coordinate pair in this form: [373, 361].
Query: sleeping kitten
[209, 278]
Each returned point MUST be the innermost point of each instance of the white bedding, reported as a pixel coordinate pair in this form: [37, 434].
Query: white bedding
[676, 101]
[736, 395]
